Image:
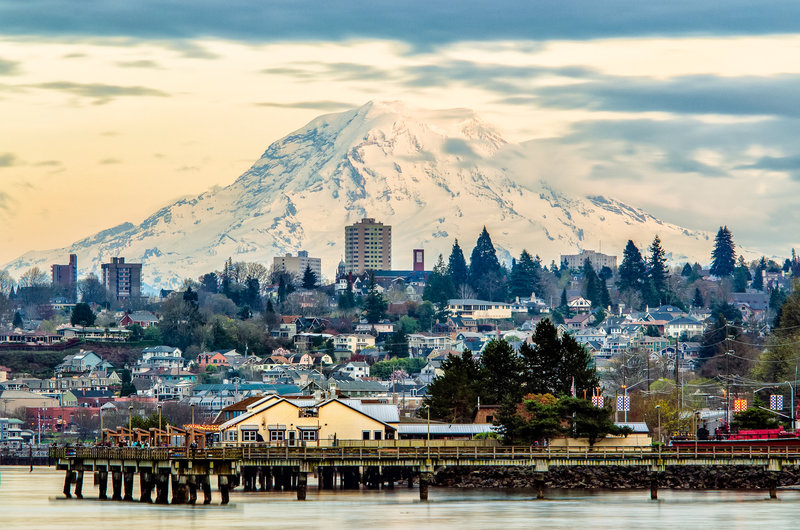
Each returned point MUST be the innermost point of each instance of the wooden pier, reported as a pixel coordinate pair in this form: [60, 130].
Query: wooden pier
[269, 468]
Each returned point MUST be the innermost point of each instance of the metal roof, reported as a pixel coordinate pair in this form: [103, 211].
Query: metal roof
[445, 428]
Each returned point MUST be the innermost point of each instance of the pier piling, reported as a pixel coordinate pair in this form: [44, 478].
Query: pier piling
[127, 481]
[302, 486]
[116, 485]
[102, 484]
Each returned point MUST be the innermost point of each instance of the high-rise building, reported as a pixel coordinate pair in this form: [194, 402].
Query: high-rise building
[296, 265]
[66, 275]
[122, 280]
[367, 246]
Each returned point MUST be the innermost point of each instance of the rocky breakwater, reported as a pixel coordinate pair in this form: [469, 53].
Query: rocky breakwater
[607, 477]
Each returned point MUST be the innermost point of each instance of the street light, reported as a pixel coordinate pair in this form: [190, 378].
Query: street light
[660, 437]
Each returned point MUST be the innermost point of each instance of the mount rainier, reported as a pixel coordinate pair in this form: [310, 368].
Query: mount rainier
[433, 175]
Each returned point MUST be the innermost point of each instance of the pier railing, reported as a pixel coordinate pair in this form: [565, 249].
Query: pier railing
[460, 453]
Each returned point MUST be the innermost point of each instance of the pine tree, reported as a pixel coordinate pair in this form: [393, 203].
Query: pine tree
[502, 373]
[309, 278]
[484, 268]
[18, 322]
[375, 304]
[698, 301]
[605, 296]
[741, 275]
[457, 267]
[439, 288]
[723, 257]
[686, 271]
[632, 270]
[524, 277]
[657, 269]
[758, 275]
[591, 283]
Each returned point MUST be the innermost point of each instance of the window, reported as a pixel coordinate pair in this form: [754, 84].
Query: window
[276, 436]
[365, 435]
[308, 435]
[249, 435]
[378, 435]
[232, 436]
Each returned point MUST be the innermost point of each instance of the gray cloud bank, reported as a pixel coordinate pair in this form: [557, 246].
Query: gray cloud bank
[417, 21]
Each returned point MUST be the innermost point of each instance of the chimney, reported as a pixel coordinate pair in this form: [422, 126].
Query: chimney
[419, 260]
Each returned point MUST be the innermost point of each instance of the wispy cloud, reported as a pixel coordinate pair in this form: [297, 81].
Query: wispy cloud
[110, 161]
[310, 105]
[8, 160]
[100, 93]
[8, 67]
[143, 63]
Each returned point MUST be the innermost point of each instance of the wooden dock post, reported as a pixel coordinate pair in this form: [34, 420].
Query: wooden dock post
[79, 484]
[302, 486]
[425, 478]
[127, 481]
[205, 483]
[102, 485]
[191, 483]
[116, 485]
[68, 478]
[223, 482]
[539, 484]
[654, 486]
[162, 488]
[146, 487]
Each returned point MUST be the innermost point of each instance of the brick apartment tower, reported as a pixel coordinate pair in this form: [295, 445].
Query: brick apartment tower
[66, 276]
[419, 260]
[123, 280]
[368, 246]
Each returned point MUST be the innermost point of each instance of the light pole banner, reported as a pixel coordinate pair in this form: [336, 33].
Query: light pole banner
[776, 402]
[624, 403]
[598, 401]
[739, 405]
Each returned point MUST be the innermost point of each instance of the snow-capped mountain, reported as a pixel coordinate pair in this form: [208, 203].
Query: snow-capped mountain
[433, 175]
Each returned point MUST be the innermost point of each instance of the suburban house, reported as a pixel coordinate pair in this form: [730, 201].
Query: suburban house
[214, 358]
[83, 361]
[145, 319]
[478, 309]
[687, 325]
[580, 305]
[354, 343]
[158, 358]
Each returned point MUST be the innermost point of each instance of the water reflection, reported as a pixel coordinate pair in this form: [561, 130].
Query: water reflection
[30, 500]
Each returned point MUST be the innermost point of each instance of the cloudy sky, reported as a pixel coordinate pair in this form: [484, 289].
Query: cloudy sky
[110, 109]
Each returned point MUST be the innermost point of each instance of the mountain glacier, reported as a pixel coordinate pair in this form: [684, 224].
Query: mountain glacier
[433, 175]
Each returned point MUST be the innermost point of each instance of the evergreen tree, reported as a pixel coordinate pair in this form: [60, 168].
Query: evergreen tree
[605, 296]
[502, 373]
[453, 396]
[758, 275]
[563, 304]
[686, 271]
[18, 322]
[485, 272]
[741, 275]
[346, 299]
[375, 304]
[632, 270]
[723, 257]
[309, 278]
[591, 284]
[524, 278]
[439, 288]
[457, 267]
[698, 301]
[657, 270]
[82, 315]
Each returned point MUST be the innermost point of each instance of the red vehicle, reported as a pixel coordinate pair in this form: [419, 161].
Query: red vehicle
[744, 438]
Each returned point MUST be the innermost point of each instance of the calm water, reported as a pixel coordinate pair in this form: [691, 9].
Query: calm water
[29, 500]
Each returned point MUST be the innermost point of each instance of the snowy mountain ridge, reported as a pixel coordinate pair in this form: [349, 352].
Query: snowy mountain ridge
[433, 175]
